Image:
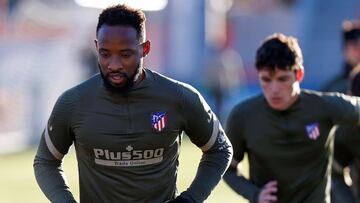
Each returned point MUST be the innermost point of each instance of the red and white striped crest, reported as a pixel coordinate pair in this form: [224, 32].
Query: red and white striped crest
[313, 130]
[158, 121]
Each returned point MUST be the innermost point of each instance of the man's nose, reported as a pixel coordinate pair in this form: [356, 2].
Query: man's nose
[115, 64]
[275, 87]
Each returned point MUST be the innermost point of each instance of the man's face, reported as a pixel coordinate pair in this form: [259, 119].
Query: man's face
[352, 52]
[119, 54]
[281, 88]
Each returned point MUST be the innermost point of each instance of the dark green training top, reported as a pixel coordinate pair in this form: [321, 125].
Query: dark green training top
[293, 147]
[347, 141]
[127, 145]
[342, 154]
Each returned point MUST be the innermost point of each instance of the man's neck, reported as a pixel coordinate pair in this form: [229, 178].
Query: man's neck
[140, 76]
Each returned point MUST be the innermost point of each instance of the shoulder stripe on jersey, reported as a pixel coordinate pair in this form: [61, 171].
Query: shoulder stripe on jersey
[51, 146]
[215, 132]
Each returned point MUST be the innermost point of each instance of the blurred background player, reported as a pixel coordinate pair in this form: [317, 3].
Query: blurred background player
[351, 54]
[344, 155]
[286, 130]
[346, 165]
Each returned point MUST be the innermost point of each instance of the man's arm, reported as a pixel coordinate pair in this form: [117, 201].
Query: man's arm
[233, 177]
[50, 176]
[240, 184]
[54, 144]
[205, 131]
[247, 189]
[214, 162]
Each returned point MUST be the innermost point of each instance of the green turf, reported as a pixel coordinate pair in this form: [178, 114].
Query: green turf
[18, 185]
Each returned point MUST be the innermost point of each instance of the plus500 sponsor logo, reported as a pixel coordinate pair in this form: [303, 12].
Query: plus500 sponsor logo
[128, 155]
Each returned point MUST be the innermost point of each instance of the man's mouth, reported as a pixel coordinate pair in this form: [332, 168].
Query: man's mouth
[117, 78]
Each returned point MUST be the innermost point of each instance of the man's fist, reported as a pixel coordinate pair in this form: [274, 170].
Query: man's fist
[268, 193]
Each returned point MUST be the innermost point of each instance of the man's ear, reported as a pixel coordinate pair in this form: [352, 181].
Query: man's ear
[300, 74]
[146, 48]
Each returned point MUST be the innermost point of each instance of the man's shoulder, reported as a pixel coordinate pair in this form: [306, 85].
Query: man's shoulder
[253, 100]
[166, 83]
[307, 93]
[251, 103]
[312, 95]
[163, 79]
[322, 99]
[83, 88]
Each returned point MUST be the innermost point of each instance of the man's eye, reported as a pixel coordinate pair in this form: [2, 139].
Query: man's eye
[104, 54]
[126, 55]
[283, 79]
[265, 79]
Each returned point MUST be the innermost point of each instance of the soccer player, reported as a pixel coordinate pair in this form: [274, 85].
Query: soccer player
[286, 130]
[351, 54]
[347, 154]
[344, 157]
[126, 124]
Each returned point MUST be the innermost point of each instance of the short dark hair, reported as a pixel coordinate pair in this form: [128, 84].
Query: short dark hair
[279, 51]
[125, 16]
[350, 30]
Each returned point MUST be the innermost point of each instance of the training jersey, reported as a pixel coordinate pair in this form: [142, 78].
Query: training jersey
[342, 156]
[347, 142]
[293, 147]
[127, 145]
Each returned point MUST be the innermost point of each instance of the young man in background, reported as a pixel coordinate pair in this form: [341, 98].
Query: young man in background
[286, 130]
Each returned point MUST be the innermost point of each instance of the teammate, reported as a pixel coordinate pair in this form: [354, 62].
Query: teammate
[351, 53]
[343, 156]
[126, 124]
[347, 154]
[286, 130]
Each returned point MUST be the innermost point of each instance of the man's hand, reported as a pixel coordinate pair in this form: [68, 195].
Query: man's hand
[266, 194]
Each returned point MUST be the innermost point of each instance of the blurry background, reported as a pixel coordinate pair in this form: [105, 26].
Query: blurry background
[46, 46]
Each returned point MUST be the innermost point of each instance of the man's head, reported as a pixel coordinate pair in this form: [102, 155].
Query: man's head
[279, 64]
[351, 42]
[121, 46]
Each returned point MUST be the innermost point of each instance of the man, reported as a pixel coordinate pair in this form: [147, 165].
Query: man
[286, 130]
[126, 124]
[347, 153]
[343, 157]
[351, 54]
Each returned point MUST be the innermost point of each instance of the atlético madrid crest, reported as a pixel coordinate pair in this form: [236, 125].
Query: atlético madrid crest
[158, 121]
[313, 130]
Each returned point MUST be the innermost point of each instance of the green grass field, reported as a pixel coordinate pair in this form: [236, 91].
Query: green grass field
[18, 185]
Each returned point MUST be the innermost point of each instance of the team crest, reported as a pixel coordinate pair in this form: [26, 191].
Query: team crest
[158, 121]
[313, 130]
